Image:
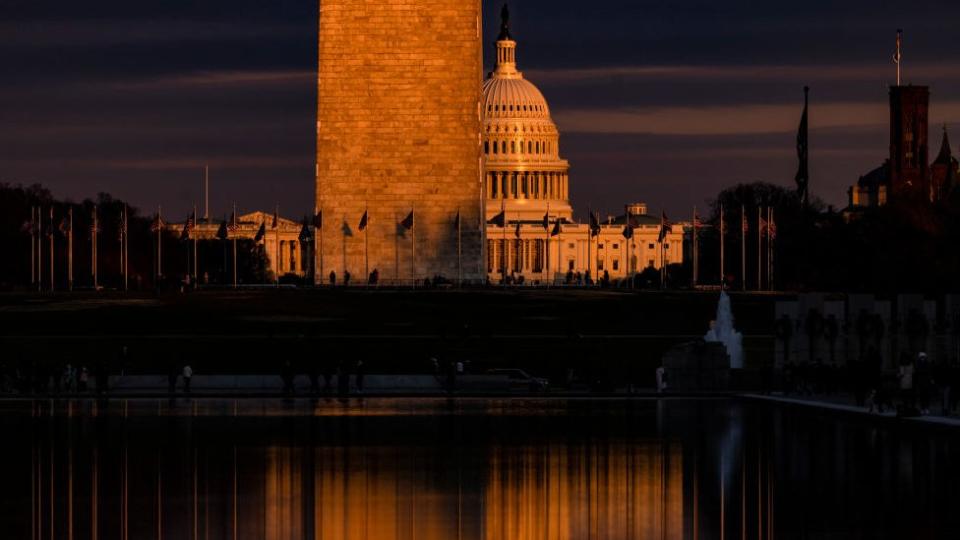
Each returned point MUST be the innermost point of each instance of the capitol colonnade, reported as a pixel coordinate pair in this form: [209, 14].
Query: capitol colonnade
[528, 182]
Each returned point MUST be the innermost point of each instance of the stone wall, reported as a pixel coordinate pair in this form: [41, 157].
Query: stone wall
[398, 130]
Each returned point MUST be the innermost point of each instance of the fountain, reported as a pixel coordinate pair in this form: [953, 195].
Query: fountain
[722, 331]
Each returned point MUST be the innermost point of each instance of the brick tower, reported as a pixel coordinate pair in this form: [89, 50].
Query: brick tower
[398, 130]
[909, 170]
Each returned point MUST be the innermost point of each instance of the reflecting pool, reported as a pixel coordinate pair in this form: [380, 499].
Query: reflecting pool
[384, 469]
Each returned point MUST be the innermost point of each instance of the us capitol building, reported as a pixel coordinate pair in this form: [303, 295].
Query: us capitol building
[526, 179]
[397, 131]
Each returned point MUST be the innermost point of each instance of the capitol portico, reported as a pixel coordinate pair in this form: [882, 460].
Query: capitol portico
[528, 182]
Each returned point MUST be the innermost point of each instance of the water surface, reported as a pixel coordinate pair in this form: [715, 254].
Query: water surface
[384, 469]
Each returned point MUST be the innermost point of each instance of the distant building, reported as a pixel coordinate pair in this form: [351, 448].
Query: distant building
[907, 173]
[528, 182]
[294, 255]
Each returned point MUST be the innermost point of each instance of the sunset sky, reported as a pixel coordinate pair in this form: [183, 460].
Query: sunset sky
[662, 102]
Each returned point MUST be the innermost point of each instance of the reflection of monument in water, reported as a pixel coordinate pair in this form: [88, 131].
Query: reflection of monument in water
[558, 492]
[585, 491]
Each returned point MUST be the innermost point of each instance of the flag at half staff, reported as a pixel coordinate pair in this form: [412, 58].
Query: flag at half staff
[500, 220]
[546, 221]
[556, 228]
[408, 221]
[65, 226]
[456, 221]
[305, 234]
[363, 221]
[188, 227]
[665, 227]
[318, 219]
[517, 231]
[594, 224]
[222, 233]
[261, 232]
[157, 224]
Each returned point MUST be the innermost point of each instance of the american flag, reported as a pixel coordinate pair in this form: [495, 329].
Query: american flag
[188, 226]
[232, 227]
[763, 225]
[744, 225]
[157, 224]
[665, 227]
[772, 228]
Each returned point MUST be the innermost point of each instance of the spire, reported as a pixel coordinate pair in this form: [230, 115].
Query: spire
[506, 49]
[945, 156]
[505, 23]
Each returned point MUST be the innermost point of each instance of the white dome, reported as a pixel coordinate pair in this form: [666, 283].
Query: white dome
[513, 98]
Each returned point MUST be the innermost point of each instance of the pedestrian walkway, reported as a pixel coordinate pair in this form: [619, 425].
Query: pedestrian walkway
[841, 404]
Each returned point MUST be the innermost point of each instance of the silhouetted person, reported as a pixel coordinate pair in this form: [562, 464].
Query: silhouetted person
[346, 278]
[374, 277]
[286, 375]
[361, 371]
[187, 376]
[83, 379]
[333, 278]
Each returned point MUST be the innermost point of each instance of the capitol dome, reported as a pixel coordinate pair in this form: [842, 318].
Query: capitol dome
[525, 174]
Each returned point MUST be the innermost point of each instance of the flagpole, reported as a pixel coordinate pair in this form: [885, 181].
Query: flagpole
[547, 230]
[276, 238]
[459, 251]
[93, 243]
[159, 244]
[759, 248]
[234, 245]
[70, 250]
[196, 266]
[52, 285]
[39, 248]
[770, 240]
[413, 248]
[396, 249]
[120, 239]
[743, 247]
[695, 258]
[366, 245]
[319, 254]
[723, 231]
[589, 243]
[506, 250]
[126, 252]
[33, 246]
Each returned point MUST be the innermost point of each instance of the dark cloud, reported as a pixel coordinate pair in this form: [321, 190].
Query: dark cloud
[665, 102]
